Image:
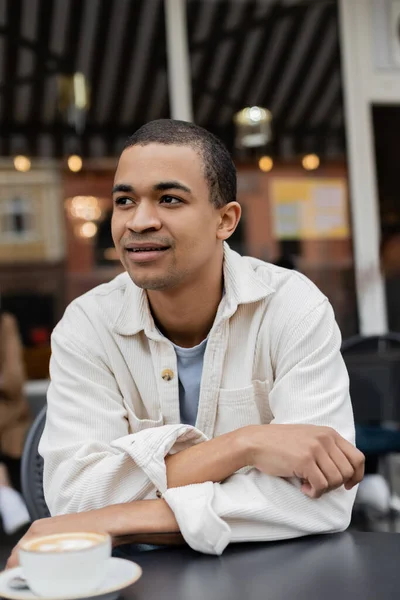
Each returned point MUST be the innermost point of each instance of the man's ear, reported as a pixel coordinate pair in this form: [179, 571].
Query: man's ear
[229, 218]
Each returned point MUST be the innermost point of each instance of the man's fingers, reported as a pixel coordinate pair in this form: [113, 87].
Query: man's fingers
[13, 560]
[331, 471]
[334, 470]
[343, 464]
[356, 458]
[357, 477]
[316, 483]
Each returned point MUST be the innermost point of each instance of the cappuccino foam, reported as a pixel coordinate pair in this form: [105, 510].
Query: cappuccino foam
[64, 543]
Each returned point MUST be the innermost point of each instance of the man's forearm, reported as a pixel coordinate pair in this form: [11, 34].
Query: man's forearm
[214, 460]
[141, 521]
[142, 516]
[152, 521]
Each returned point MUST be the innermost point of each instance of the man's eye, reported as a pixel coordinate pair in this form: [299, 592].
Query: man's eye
[170, 200]
[123, 201]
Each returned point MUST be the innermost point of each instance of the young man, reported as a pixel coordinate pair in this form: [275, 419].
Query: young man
[199, 392]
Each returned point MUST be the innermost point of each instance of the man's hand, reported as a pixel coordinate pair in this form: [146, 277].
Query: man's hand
[318, 456]
[87, 521]
[139, 522]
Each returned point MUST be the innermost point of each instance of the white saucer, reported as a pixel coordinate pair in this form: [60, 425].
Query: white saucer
[121, 573]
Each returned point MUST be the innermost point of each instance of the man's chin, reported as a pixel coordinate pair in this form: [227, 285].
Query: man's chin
[150, 283]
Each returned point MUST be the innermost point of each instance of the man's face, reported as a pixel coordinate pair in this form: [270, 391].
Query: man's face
[164, 226]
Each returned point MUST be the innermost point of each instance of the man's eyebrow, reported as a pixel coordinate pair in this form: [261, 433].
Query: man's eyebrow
[122, 187]
[163, 186]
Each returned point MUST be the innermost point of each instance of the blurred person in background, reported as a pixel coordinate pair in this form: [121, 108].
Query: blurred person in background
[14, 424]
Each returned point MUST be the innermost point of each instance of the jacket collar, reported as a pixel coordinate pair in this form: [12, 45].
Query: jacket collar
[242, 286]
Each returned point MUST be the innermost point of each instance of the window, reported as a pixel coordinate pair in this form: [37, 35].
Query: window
[17, 219]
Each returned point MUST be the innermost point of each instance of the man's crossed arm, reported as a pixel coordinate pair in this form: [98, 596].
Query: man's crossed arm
[93, 462]
[317, 456]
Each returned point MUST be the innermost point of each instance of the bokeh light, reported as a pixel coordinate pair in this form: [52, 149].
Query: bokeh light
[74, 163]
[84, 207]
[87, 230]
[266, 164]
[311, 162]
[22, 163]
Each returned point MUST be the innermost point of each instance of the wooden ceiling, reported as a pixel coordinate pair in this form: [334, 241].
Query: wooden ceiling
[281, 54]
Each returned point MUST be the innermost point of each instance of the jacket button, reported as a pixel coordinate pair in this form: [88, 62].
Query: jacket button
[167, 374]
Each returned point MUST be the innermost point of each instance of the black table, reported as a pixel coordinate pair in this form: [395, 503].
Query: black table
[330, 567]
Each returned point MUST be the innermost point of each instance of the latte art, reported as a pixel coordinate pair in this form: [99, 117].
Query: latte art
[64, 542]
[61, 545]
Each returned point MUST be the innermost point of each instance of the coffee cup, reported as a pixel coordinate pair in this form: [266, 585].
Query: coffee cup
[65, 565]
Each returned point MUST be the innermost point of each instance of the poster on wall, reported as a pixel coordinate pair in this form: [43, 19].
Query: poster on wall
[309, 209]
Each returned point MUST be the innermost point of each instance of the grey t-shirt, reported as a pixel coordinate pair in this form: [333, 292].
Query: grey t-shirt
[190, 367]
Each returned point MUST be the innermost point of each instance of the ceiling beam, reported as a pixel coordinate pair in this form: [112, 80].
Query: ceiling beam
[154, 61]
[257, 23]
[13, 16]
[43, 32]
[229, 72]
[283, 57]
[209, 53]
[18, 41]
[99, 55]
[261, 54]
[316, 41]
[133, 22]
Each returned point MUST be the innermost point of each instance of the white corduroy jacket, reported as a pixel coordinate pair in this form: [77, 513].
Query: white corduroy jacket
[273, 355]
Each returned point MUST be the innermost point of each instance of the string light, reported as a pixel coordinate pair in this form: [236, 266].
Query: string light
[253, 127]
[311, 162]
[22, 163]
[87, 230]
[84, 207]
[266, 164]
[74, 163]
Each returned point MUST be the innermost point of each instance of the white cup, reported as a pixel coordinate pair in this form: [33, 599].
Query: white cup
[65, 565]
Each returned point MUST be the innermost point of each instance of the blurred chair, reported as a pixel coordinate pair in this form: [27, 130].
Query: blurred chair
[373, 364]
[377, 343]
[32, 471]
[36, 394]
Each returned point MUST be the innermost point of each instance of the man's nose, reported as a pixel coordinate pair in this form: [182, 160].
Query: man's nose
[145, 216]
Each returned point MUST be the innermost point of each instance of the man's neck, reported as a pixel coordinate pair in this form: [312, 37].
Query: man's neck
[185, 316]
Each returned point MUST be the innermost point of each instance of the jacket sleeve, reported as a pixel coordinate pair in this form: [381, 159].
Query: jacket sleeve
[311, 386]
[91, 459]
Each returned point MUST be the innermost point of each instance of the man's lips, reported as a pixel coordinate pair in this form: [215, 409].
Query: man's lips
[145, 253]
[145, 246]
[147, 249]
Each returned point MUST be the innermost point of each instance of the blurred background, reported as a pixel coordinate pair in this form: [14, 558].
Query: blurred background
[304, 93]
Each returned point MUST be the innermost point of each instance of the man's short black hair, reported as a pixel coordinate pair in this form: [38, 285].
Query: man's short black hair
[219, 170]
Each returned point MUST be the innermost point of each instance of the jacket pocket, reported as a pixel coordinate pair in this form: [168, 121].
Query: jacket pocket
[243, 406]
